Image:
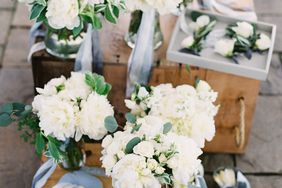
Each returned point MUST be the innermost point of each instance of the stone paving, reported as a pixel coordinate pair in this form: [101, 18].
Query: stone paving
[262, 162]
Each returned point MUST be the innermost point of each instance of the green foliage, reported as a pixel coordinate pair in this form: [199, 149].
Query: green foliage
[165, 179]
[111, 124]
[167, 128]
[131, 144]
[130, 117]
[36, 11]
[97, 83]
[40, 143]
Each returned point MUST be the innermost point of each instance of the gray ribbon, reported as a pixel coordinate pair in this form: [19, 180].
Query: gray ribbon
[89, 56]
[141, 57]
[43, 173]
[83, 177]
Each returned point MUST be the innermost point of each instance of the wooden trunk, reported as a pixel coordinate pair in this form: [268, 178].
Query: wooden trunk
[237, 95]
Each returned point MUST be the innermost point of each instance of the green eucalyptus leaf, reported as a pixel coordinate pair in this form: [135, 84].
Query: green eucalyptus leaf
[6, 108]
[5, 120]
[131, 144]
[167, 128]
[111, 124]
[130, 117]
[36, 11]
[39, 144]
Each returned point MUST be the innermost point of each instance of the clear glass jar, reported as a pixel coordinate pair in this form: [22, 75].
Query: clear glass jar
[74, 157]
[131, 35]
[63, 48]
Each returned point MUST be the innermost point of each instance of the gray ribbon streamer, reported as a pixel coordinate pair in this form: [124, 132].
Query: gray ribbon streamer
[141, 57]
[89, 56]
[43, 173]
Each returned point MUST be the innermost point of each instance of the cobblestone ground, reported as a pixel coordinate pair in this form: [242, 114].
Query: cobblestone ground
[262, 162]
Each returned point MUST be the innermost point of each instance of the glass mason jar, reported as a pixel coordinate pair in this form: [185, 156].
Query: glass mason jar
[74, 157]
[66, 47]
[131, 35]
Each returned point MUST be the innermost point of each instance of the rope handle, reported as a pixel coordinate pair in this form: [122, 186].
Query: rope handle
[240, 129]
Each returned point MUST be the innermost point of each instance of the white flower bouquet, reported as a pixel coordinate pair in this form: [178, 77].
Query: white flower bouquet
[243, 38]
[68, 17]
[150, 157]
[64, 111]
[190, 110]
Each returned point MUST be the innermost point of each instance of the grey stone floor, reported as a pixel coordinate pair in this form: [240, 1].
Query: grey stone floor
[262, 162]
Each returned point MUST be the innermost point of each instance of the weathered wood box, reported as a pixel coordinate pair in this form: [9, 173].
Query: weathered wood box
[237, 95]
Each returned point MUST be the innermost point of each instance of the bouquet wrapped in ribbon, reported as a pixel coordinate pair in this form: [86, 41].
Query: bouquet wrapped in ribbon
[64, 113]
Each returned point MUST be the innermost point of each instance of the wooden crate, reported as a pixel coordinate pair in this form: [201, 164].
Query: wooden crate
[237, 95]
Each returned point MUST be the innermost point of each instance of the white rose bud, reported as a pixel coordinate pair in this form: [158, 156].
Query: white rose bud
[187, 42]
[142, 93]
[193, 26]
[203, 86]
[244, 29]
[120, 154]
[203, 21]
[264, 42]
[160, 170]
[107, 141]
[225, 47]
[152, 164]
[162, 158]
[145, 149]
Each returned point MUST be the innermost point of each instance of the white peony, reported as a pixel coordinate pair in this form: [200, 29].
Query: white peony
[225, 47]
[93, 112]
[203, 21]
[243, 29]
[145, 149]
[57, 117]
[264, 42]
[52, 87]
[76, 87]
[187, 42]
[63, 13]
[203, 86]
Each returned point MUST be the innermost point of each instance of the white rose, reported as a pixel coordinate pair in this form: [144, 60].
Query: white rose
[145, 149]
[63, 13]
[203, 21]
[162, 158]
[92, 115]
[142, 93]
[164, 6]
[152, 164]
[264, 42]
[244, 29]
[160, 170]
[187, 42]
[225, 47]
[203, 86]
